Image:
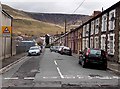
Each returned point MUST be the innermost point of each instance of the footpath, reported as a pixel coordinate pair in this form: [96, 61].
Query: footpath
[113, 66]
[12, 59]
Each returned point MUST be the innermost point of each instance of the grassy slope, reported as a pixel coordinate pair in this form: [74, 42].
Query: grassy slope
[32, 27]
[24, 24]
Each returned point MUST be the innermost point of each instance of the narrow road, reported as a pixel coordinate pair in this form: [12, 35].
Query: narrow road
[51, 69]
[62, 70]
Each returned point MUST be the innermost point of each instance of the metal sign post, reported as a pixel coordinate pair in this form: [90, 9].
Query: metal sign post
[6, 32]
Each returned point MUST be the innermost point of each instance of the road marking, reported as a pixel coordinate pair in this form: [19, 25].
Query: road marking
[116, 77]
[114, 64]
[114, 70]
[29, 78]
[7, 68]
[50, 77]
[106, 77]
[15, 78]
[55, 63]
[80, 77]
[60, 73]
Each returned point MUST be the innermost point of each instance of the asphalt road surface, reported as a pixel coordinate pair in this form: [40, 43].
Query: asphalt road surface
[51, 69]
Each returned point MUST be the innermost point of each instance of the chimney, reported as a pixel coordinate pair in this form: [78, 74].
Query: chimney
[95, 13]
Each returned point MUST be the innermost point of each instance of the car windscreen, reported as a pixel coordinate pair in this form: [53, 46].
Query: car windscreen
[95, 52]
[33, 48]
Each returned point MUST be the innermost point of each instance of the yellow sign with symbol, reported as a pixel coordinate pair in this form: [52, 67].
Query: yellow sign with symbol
[6, 30]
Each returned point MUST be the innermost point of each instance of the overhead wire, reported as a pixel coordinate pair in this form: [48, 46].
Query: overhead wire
[78, 6]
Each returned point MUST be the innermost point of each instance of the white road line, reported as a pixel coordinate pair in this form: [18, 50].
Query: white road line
[29, 78]
[114, 70]
[15, 78]
[50, 77]
[7, 68]
[55, 63]
[60, 73]
[116, 77]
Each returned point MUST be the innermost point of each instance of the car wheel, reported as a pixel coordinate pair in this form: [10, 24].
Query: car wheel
[83, 64]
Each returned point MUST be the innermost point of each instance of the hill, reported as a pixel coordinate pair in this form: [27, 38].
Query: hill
[41, 23]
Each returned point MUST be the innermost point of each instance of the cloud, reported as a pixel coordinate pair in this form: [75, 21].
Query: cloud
[60, 6]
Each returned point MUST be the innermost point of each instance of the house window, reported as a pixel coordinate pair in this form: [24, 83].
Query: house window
[84, 44]
[91, 42]
[104, 23]
[103, 40]
[87, 43]
[87, 30]
[92, 27]
[97, 26]
[111, 44]
[111, 20]
[96, 42]
[84, 31]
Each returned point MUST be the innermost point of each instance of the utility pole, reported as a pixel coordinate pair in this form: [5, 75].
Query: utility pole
[65, 30]
[65, 25]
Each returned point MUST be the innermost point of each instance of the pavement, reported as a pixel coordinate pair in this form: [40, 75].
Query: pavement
[113, 66]
[12, 59]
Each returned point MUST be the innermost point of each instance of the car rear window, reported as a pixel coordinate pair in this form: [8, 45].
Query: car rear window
[95, 52]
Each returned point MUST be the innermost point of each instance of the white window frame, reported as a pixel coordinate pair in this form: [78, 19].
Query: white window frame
[112, 23]
[87, 42]
[84, 30]
[83, 43]
[96, 43]
[91, 43]
[92, 28]
[87, 30]
[97, 24]
[113, 44]
[103, 42]
[104, 23]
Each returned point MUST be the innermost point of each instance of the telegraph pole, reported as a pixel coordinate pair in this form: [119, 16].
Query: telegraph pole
[65, 30]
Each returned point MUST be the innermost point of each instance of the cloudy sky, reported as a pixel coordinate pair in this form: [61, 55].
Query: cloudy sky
[60, 6]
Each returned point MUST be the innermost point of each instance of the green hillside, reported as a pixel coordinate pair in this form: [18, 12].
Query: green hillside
[24, 24]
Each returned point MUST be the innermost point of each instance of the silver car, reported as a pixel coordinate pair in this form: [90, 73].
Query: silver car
[34, 51]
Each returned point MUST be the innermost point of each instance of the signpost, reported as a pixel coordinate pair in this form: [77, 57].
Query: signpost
[6, 32]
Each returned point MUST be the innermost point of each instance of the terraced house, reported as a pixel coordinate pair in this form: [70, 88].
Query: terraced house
[6, 47]
[101, 31]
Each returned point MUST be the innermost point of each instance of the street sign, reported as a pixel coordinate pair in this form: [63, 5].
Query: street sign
[6, 31]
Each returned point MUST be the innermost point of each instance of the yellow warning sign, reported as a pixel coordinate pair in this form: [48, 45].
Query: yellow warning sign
[6, 30]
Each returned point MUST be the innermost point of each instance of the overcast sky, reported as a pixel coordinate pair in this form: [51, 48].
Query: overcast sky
[60, 6]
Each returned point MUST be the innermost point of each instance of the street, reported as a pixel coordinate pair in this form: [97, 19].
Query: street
[52, 69]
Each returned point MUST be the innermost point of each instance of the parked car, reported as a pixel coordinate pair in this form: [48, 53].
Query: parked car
[35, 50]
[93, 56]
[54, 48]
[60, 48]
[65, 50]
